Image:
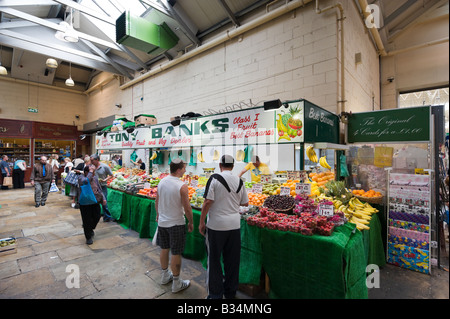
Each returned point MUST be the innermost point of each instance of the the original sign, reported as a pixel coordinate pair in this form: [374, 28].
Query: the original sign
[405, 124]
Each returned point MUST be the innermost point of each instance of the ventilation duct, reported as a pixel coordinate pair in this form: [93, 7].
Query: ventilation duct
[140, 34]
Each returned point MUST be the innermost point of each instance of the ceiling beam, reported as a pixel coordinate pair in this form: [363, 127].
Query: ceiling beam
[16, 3]
[183, 25]
[229, 13]
[120, 70]
[57, 27]
[93, 13]
[20, 41]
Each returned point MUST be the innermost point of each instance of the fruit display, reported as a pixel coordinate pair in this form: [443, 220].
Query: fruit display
[356, 212]
[279, 202]
[196, 200]
[369, 193]
[7, 242]
[322, 178]
[149, 192]
[306, 223]
[255, 199]
[311, 154]
[323, 162]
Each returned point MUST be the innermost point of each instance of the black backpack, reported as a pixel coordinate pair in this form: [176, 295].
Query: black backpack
[223, 182]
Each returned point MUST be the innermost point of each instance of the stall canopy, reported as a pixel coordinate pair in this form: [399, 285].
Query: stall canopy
[294, 122]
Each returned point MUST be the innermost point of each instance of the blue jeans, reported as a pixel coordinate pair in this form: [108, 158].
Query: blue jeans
[106, 213]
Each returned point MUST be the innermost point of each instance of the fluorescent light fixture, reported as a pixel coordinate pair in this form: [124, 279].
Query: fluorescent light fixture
[272, 105]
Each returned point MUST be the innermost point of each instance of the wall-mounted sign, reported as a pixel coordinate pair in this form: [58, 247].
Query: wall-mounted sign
[405, 124]
[33, 109]
[15, 128]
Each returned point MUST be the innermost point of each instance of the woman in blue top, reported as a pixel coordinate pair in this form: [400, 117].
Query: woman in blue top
[19, 173]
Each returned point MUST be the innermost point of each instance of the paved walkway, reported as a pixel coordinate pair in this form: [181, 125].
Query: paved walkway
[120, 264]
[50, 241]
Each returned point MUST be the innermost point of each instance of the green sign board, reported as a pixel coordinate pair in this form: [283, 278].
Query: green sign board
[396, 125]
[320, 124]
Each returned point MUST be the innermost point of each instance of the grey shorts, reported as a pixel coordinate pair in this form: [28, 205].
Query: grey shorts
[173, 238]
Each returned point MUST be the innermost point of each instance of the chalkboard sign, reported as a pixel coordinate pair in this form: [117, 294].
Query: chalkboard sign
[405, 124]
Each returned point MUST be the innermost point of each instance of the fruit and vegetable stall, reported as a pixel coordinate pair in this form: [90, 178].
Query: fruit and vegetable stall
[309, 234]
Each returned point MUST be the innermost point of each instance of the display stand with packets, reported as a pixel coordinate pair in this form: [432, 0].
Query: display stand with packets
[409, 209]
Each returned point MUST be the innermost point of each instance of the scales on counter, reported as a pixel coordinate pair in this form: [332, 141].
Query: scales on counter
[280, 177]
[208, 171]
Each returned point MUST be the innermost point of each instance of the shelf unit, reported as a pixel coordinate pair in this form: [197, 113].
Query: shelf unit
[16, 148]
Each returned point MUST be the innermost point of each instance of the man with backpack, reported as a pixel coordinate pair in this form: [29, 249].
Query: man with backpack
[224, 194]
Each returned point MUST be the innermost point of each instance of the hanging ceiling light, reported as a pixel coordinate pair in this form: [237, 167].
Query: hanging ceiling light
[3, 70]
[69, 34]
[51, 63]
[69, 81]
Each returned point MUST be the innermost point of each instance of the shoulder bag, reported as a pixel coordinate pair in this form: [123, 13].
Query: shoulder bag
[71, 178]
[87, 196]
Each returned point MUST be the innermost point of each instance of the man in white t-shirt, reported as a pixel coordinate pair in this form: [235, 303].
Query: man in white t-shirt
[172, 203]
[224, 193]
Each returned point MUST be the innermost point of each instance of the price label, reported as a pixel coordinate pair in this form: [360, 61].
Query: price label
[285, 190]
[194, 183]
[303, 188]
[147, 185]
[326, 210]
[257, 188]
[266, 178]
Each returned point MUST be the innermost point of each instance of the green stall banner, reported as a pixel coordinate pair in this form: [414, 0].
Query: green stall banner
[397, 125]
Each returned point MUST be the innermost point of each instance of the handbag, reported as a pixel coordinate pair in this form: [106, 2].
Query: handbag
[7, 181]
[87, 196]
[71, 178]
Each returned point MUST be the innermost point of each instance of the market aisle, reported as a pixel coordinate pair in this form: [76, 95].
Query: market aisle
[50, 241]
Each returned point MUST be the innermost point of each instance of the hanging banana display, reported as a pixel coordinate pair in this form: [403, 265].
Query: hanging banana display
[154, 155]
[240, 155]
[323, 162]
[216, 155]
[200, 157]
[311, 154]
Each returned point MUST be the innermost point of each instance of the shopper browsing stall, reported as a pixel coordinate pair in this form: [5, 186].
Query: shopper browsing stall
[256, 168]
[90, 214]
[41, 177]
[172, 205]
[19, 169]
[224, 194]
[104, 174]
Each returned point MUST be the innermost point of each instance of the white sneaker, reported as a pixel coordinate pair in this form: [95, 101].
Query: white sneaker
[166, 277]
[179, 284]
[73, 205]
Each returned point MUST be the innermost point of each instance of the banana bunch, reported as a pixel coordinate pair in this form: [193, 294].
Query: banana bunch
[311, 154]
[200, 157]
[357, 212]
[216, 155]
[153, 156]
[323, 162]
[240, 155]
